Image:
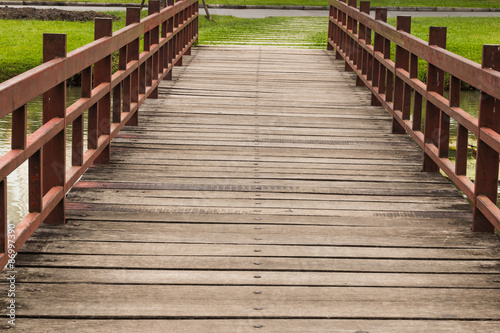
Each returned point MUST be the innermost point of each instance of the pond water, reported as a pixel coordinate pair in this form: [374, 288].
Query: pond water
[17, 185]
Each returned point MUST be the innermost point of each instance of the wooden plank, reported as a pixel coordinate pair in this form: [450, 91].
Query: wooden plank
[257, 278]
[124, 301]
[273, 264]
[250, 325]
[246, 234]
[263, 250]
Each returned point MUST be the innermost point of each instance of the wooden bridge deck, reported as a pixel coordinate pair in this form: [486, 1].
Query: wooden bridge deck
[261, 192]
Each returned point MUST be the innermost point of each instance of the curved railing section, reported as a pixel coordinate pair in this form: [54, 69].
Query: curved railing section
[167, 34]
[395, 85]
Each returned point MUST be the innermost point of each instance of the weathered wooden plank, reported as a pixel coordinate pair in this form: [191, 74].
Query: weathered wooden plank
[127, 301]
[247, 234]
[257, 278]
[260, 250]
[273, 264]
[251, 325]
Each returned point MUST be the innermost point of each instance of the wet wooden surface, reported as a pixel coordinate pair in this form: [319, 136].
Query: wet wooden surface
[261, 192]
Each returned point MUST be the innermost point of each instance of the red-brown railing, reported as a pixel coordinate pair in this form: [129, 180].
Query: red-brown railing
[396, 86]
[167, 33]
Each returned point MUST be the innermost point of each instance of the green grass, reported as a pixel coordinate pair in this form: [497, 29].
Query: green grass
[303, 32]
[378, 3]
[21, 48]
[461, 39]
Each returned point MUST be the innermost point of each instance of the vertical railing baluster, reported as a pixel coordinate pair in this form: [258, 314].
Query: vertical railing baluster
[119, 89]
[378, 48]
[131, 90]
[417, 97]
[462, 132]
[170, 44]
[154, 7]
[19, 127]
[330, 29]
[364, 7]
[53, 159]
[102, 74]
[435, 83]
[403, 62]
[486, 182]
[163, 50]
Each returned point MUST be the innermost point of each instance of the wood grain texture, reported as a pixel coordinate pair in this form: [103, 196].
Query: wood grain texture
[260, 192]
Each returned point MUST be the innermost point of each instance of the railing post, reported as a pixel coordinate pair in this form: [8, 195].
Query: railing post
[378, 47]
[163, 49]
[433, 115]
[48, 169]
[486, 183]
[330, 29]
[154, 7]
[102, 74]
[131, 84]
[170, 44]
[178, 37]
[364, 7]
[352, 27]
[402, 62]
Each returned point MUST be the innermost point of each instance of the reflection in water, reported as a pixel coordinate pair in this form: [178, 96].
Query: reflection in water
[17, 181]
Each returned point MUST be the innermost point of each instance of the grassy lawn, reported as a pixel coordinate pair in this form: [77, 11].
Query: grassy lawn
[303, 32]
[22, 50]
[401, 3]
[25, 46]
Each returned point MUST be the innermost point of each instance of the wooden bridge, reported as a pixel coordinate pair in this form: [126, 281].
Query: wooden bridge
[259, 189]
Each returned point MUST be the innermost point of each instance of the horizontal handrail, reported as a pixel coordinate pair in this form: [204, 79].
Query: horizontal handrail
[395, 85]
[167, 33]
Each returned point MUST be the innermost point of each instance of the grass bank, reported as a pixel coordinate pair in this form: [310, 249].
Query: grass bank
[22, 50]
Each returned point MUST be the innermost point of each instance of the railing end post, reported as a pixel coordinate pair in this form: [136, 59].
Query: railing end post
[153, 6]
[133, 15]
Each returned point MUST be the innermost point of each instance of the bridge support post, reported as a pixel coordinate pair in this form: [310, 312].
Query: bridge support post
[170, 45]
[378, 70]
[364, 7]
[330, 29]
[102, 74]
[48, 168]
[401, 90]
[131, 84]
[435, 133]
[486, 183]
[154, 39]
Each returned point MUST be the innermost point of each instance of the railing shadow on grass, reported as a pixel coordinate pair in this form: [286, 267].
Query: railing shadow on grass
[168, 32]
[395, 85]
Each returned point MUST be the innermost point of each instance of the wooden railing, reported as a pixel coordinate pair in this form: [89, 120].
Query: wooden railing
[167, 34]
[395, 85]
